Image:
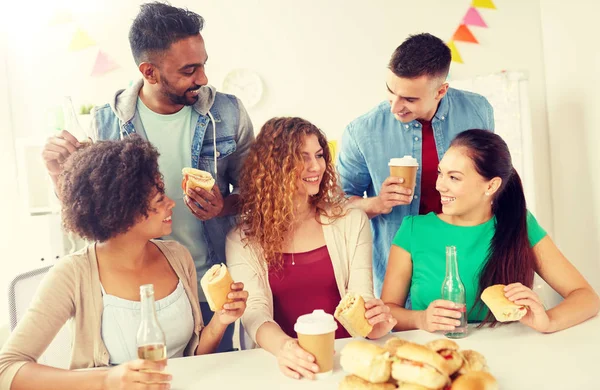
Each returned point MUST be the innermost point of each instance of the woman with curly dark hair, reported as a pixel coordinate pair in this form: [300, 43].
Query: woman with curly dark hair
[297, 248]
[112, 194]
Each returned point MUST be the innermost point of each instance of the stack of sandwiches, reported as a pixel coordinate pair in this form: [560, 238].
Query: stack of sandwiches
[404, 365]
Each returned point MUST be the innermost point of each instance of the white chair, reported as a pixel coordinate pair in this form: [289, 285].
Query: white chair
[20, 293]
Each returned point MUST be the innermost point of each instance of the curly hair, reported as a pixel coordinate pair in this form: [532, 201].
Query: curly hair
[107, 187]
[269, 181]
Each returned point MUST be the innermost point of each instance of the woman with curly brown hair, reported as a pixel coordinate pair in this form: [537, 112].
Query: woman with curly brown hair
[296, 248]
[112, 193]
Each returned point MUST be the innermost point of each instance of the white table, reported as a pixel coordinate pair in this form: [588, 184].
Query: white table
[519, 357]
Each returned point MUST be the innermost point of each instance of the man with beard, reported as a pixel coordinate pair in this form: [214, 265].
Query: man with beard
[187, 121]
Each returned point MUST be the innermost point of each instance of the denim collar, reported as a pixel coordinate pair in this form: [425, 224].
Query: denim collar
[443, 108]
[124, 102]
[441, 114]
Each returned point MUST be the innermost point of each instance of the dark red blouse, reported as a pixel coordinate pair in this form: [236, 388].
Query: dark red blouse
[308, 284]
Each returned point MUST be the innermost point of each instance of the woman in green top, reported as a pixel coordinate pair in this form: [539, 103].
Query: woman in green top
[498, 242]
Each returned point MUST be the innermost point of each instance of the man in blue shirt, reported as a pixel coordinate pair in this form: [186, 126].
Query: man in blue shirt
[188, 121]
[419, 119]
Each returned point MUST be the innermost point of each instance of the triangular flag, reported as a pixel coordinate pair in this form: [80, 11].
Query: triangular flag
[483, 4]
[81, 40]
[473, 18]
[61, 17]
[103, 64]
[463, 34]
[455, 54]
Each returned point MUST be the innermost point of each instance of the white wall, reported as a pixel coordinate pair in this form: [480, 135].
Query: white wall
[572, 62]
[323, 60]
[8, 164]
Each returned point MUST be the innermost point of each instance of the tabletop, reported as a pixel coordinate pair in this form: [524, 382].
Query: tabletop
[519, 357]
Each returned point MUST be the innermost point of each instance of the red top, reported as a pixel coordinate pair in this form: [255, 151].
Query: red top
[430, 197]
[307, 285]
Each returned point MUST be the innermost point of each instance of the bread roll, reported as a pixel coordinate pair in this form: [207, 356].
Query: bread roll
[503, 309]
[216, 284]
[367, 361]
[352, 382]
[193, 178]
[393, 344]
[472, 361]
[447, 349]
[475, 381]
[420, 365]
[440, 344]
[350, 312]
[411, 386]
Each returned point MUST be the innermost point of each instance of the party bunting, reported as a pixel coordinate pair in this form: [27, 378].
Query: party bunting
[103, 64]
[473, 18]
[483, 4]
[80, 41]
[455, 54]
[463, 34]
[61, 17]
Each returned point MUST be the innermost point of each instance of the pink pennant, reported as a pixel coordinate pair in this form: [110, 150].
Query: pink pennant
[473, 18]
[103, 64]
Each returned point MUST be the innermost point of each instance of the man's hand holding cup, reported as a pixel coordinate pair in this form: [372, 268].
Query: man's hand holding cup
[398, 188]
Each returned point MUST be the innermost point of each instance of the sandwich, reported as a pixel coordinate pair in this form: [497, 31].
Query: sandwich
[352, 382]
[85, 143]
[350, 312]
[475, 381]
[393, 344]
[366, 361]
[473, 361]
[193, 178]
[419, 365]
[503, 309]
[447, 349]
[216, 284]
[411, 386]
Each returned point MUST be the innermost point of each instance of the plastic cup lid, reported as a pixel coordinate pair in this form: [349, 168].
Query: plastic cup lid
[406, 161]
[317, 322]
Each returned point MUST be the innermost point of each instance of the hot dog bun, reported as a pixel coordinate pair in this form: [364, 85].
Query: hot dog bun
[350, 312]
[193, 178]
[352, 382]
[503, 309]
[420, 365]
[477, 380]
[216, 284]
[367, 361]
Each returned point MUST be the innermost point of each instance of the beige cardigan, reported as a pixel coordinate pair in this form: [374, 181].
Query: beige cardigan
[349, 243]
[71, 291]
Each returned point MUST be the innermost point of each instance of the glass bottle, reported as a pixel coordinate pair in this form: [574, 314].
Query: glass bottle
[151, 342]
[72, 124]
[454, 290]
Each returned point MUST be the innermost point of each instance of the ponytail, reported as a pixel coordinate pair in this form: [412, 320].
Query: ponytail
[511, 258]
